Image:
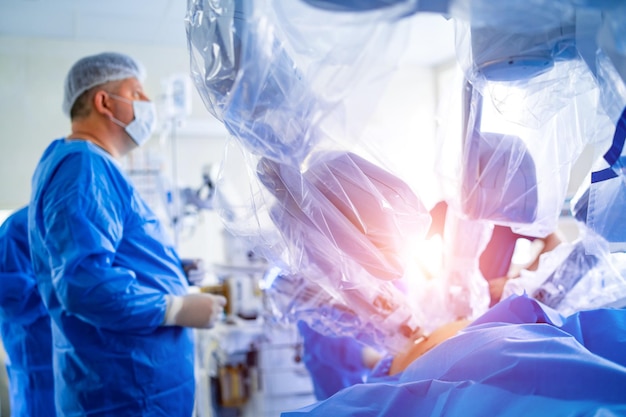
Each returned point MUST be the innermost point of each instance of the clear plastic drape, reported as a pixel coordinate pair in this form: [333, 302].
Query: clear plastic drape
[338, 212]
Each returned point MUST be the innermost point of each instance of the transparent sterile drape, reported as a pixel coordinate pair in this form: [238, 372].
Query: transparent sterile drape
[340, 212]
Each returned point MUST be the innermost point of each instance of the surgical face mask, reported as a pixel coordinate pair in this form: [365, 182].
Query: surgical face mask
[141, 127]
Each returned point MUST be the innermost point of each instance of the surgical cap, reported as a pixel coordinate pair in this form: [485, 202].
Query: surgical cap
[94, 70]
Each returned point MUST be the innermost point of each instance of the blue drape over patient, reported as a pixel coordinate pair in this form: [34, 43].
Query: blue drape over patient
[333, 362]
[519, 358]
[104, 267]
[24, 324]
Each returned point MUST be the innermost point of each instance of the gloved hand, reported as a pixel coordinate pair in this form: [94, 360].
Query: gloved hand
[194, 270]
[194, 310]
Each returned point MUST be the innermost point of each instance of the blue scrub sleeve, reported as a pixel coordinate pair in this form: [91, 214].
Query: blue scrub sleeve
[338, 352]
[83, 225]
[20, 301]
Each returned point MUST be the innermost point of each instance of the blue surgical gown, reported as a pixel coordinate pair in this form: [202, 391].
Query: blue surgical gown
[104, 266]
[518, 359]
[24, 324]
[334, 363]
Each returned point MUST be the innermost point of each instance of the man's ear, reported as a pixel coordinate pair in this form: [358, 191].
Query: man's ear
[102, 103]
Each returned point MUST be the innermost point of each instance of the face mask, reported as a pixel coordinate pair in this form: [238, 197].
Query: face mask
[141, 127]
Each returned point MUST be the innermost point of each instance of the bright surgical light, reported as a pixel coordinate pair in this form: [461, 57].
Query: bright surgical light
[430, 256]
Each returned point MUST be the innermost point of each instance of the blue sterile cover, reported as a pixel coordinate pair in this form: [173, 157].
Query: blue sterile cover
[518, 359]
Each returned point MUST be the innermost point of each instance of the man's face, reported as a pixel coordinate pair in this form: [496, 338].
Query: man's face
[129, 89]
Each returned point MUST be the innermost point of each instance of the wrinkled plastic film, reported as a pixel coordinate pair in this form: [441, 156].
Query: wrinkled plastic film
[600, 200]
[603, 216]
[613, 45]
[341, 224]
[338, 233]
[567, 276]
[352, 242]
[291, 298]
[349, 226]
[214, 42]
[541, 90]
[515, 174]
[576, 276]
[612, 87]
[247, 79]
[272, 71]
[342, 228]
[512, 41]
[522, 64]
[396, 6]
[466, 288]
[287, 80]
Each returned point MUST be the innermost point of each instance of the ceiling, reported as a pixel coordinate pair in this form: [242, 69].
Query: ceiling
[161, 23]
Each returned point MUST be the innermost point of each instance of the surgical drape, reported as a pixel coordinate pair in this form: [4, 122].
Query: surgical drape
[519, 358]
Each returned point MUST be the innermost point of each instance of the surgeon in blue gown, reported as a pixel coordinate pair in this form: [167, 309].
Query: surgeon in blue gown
[110, 278]
[24, 324]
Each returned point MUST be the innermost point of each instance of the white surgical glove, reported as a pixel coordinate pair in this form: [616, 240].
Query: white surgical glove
[194, 310]
[195, 270]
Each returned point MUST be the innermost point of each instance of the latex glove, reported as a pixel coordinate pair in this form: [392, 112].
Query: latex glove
[194, 270]
[194, 310]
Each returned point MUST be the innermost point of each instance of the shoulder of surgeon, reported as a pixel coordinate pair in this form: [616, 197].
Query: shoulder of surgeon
[14, 251]
[75, 164]
[16, 225]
